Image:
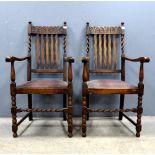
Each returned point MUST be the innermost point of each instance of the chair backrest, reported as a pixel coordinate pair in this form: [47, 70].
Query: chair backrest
[47, 47]
[105, 47]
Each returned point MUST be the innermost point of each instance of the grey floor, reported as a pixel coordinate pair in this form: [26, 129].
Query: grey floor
[104, 135]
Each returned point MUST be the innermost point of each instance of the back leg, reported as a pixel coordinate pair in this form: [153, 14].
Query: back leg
[30, 106]
[64, 106]
[14, 116]
[121, 105]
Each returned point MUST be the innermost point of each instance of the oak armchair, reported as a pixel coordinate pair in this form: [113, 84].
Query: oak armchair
[105, 47]
[47, 61]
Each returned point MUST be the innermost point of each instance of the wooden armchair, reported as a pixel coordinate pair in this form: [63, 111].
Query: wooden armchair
[47, 61]
[104, 47]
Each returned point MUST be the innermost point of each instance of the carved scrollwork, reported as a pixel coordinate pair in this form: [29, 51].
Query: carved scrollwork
[104, 30]
[48, 30]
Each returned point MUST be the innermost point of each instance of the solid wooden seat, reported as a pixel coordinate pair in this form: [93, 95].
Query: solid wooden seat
[105, 86]
[44, 86]
[105, 43]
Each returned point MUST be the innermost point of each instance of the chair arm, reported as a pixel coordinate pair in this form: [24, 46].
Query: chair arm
[12, 58]
[140, 59]
[69, 59]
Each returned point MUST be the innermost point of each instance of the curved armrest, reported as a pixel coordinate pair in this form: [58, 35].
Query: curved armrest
[140, 59]
[69, 59]
[12, 58]
[85, 59]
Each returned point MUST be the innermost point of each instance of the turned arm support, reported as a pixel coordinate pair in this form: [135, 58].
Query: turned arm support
[12, 59]
[70, 60]
[85, 61]
[142, 60]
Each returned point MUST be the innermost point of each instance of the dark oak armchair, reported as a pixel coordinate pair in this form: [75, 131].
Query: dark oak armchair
[47, 61]
[104, 47]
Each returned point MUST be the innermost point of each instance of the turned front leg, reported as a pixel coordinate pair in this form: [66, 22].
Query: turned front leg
[13, 109]
[85, 95]
[13, 100]
[139, 115]
[139, 107]
[84, 116]
[70, 123]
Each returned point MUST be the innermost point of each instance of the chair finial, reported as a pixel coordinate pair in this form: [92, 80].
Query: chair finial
[122, 25]
[65, 25]
[87, 23]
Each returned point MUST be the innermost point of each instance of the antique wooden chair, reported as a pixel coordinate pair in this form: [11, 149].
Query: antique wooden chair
[105, 43]
[47, 45]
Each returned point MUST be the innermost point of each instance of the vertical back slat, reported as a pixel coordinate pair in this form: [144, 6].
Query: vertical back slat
[95, 50]
[42, 51]
[52, 50]
[105, 51]
[37, 51]
[114, 50]
[47, 51]
[57, 49]
[100, 50]
[109, 51]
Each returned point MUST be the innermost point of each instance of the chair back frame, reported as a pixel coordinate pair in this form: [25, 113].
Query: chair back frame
[46, 49]
[104, 44]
